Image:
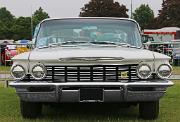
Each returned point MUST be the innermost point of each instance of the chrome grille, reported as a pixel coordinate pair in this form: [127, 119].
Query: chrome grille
[91, 73]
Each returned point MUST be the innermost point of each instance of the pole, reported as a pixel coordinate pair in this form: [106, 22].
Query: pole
[131, 10]
[31, 23]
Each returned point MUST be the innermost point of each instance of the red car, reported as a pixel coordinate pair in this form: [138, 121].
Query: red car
[7, 52]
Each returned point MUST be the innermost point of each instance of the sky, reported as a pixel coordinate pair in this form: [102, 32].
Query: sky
[65, 8]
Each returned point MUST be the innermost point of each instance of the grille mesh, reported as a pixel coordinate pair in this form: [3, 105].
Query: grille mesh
[92, 73]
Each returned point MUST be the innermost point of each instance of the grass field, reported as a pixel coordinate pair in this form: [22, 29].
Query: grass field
[4, 69]
[169, 110]
[176, 70]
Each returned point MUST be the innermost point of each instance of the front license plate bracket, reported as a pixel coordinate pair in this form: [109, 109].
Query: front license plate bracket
[91, 95]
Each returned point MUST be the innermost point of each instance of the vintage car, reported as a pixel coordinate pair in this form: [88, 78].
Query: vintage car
[90, 60]
[176, 57]
[176, 53]
[7, 52]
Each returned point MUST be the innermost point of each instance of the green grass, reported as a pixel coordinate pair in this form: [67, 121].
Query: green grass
[10, 112]
[176, 70]
[4, 69]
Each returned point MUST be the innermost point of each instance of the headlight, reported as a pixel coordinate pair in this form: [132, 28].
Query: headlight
[164, 71]
[144, 71]
[18, 72]
[38, 71]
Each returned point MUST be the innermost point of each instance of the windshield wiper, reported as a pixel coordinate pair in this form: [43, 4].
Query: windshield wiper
[113, 43]
[104, 42]
[72, 42]
[62, 44]
[126, 45]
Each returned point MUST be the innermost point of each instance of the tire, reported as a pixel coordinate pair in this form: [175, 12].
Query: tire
[30, 110]
[149, 110]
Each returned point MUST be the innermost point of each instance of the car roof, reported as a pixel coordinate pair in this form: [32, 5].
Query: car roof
[115, 18]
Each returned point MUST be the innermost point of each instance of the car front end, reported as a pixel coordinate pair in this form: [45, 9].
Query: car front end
[72, 71]
[62, 81]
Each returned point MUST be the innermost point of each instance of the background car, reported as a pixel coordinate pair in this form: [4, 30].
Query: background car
[176, 55]
[8, 52]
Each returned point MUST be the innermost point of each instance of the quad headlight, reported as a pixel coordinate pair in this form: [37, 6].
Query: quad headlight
[164, 71]
[18, 72]
[38, 71]
[144, 71]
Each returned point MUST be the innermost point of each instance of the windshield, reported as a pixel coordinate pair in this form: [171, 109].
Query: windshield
[88, 31]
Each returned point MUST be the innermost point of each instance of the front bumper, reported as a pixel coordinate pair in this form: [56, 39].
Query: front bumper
[112, 91]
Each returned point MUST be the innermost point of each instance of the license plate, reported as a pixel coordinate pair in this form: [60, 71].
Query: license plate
[91, 94]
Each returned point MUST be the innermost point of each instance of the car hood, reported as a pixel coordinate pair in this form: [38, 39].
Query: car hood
[102, 54]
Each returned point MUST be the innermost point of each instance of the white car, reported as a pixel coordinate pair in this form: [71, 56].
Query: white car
[90, 60]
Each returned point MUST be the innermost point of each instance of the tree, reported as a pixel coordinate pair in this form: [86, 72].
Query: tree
[22, 28]
[6, 17]
[18, 28]
[6, 22]
[103, 8]
[3, 30]
[170, 14]
[38, 16]
[144, 15]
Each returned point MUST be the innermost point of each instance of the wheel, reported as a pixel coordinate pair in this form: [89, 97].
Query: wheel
[149, 110]
[30, 109]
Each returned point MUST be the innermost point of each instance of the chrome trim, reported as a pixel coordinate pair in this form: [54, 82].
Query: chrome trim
[92, 59]
[59, 94]
[92, 84]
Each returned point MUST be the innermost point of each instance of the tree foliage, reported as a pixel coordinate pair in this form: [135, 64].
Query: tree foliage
[6, 17]
[103, 8]
[22, 28]
[38, 16]
[19, 28]
[6, 22]
[144, 15]
[170, 14]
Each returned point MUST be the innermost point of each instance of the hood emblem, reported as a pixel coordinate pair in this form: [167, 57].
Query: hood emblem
[92, 59]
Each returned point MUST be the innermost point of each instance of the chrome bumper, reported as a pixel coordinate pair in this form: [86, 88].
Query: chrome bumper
[70, 91]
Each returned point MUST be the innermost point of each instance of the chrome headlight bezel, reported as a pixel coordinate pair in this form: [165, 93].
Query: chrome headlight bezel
[44, 71]
[158, 74]
[13, 67]
[138, 72]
